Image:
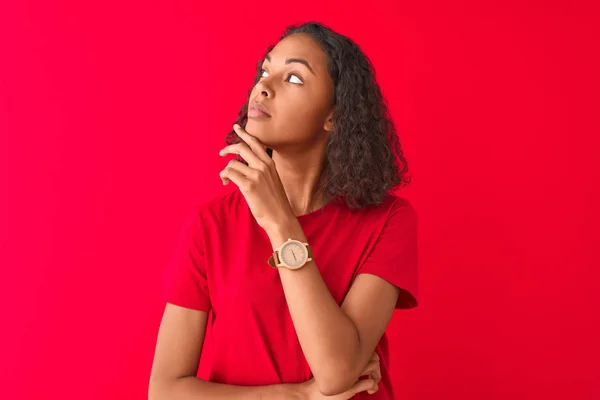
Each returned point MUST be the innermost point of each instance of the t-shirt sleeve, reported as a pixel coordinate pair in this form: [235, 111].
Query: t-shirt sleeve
[185, 282]
[394, 256]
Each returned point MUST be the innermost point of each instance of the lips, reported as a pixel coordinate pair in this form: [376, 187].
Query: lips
[257, 110]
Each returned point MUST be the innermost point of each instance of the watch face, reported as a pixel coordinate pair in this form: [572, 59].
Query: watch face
[293, 253]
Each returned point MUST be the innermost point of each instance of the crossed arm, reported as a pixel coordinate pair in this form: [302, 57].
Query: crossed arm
[338, 342]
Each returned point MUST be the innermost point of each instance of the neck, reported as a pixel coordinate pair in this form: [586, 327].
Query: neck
[300, 174]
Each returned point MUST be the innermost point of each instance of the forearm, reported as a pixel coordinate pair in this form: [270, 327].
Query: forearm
[328, 337]
[193, 388]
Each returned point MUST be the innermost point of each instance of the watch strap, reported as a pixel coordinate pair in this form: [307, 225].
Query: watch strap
[274, 260]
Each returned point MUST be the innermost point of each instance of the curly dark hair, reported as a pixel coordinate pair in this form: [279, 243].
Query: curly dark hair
[364, 159]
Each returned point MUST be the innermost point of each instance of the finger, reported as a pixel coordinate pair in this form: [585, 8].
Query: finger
[245, 151]
[375, 369]
[259, 149]
[249, 173]
[237, 177]
[361, 386]
[375, 357]
[376, 375]
[371, 367]
[374, 388]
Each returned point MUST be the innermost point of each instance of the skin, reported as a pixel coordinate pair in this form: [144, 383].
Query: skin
[301, 107]
[175, 365]
[338, 342]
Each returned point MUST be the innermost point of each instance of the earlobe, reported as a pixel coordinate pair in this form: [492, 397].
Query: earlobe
[329, 125]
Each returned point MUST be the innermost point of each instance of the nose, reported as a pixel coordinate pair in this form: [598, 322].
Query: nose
[264, 89]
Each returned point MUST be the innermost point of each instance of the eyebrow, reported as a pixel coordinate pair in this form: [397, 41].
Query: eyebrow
[295, 60]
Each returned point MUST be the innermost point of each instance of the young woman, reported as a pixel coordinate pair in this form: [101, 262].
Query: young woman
[296, 273]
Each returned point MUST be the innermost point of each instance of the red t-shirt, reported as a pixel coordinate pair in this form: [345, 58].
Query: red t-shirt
[220, 265]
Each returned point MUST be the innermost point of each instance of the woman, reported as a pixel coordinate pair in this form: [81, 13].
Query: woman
[316, 155]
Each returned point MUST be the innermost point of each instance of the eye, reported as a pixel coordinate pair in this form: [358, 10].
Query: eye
[291, 75]
[295, 76]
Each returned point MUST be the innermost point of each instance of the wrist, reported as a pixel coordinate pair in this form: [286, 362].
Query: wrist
[280, 232]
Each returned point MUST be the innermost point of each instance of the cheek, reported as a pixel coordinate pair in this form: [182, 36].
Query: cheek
[306, 114]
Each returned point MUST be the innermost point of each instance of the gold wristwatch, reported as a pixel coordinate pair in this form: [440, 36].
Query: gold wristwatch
[292, 254]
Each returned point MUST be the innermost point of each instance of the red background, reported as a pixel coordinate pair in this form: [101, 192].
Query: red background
[111, 118]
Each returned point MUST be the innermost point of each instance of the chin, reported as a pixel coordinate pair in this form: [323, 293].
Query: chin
[255, 129]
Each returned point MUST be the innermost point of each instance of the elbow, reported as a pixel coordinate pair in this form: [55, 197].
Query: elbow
[152, 392]
[335, 387]
[337, 380]
[337, 373]
[155, 387]
[332, 390]
[159, 389]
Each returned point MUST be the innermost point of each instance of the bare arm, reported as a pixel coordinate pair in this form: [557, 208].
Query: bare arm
[337, 341]
[176, 359]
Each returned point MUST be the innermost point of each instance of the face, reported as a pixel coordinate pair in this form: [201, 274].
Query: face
[298, 97]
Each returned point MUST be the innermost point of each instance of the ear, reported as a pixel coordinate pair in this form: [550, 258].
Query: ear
[329, 125]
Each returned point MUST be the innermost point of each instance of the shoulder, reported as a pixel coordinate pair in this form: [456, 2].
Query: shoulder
[402, 215]
[393, 206]
[217, 206]
[395, 215]
[205, 217]
[402, 205]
